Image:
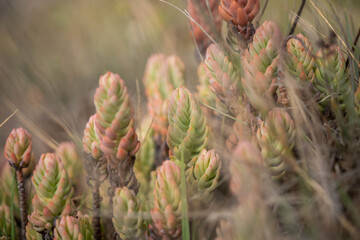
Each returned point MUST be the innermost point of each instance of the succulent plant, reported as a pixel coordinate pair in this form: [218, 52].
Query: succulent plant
[187, 125]
[70, 228]
[53, 192]
[85, 226]
[211, 24]
[71, 161]
[114, 120]
[276, 136]
[203, 176]
[260, 62]
[5, 220]
[31, 233]
[128, 220]
[239, 12]
[96, 167]
[162, 76]
[18, 151]
[91, 145]
[331, 78]
[224, 78]
[18, 148]
[42, 217]
[166, 213]
[245, 155]
[300, 61]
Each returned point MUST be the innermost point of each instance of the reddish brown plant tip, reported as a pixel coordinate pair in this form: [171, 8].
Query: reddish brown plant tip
[199, 11]
[239, 12]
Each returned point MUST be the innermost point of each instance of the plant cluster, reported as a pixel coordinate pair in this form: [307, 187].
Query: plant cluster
[265, 149]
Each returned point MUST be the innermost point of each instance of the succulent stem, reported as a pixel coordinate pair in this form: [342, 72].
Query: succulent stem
[22, 196]
[93, 168]
[96, 207]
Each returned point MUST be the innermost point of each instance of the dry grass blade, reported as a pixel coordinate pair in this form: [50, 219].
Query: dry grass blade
[186, 13]
[36, 130]
[333, 29]
[9, 117]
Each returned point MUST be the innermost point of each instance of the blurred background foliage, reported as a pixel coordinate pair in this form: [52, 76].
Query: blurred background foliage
[53, 52]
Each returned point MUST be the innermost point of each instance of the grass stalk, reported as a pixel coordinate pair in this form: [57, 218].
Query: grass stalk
[184, 206]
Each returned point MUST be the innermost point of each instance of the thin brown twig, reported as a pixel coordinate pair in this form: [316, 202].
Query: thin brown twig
[96, 207]
[22, 196]
[353, 47]
[292, 30]
[257, 23]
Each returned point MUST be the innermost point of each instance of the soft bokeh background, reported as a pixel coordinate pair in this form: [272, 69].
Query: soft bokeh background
[53, 52]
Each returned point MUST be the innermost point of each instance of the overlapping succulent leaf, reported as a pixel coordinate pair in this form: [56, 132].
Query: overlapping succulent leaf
[91, 143]
[203, 176]
[276, 138]
[239, 12]
[127, 217]
[199, 11]
[260, 62]
[114, 119]
[162, 75]
[53, 192]
[187, 125]
[71, 161]
[85, 226]
[5, 220]
[300, 61]
[18, 148]
[70, 228]
[42, 217]
[331, 81]
[166, 213]
[224, 78]
[31, 233]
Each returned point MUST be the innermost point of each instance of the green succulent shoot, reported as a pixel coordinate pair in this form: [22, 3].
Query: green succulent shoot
[204, 175]
[128, 215]
[331, 81]
[224, 78]
[276, 136]
[187, 125]
[166, 213]
[299, 60]
[114, 120]
[260, 62]
[70, 228]
[53, 192]
[71, 161]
